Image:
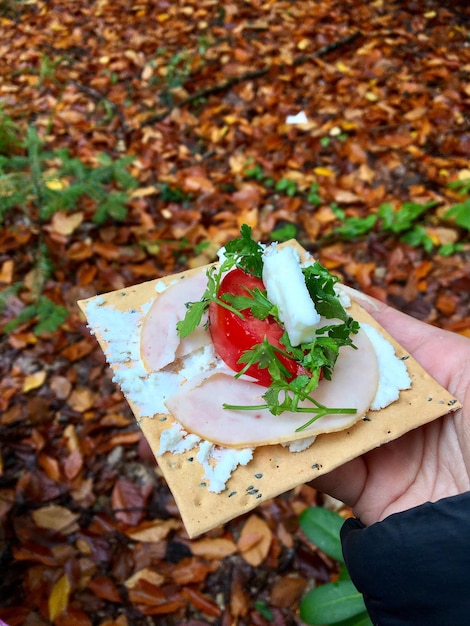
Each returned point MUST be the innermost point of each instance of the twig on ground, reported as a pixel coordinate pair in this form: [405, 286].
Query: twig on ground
[124, 132]
[235, 80]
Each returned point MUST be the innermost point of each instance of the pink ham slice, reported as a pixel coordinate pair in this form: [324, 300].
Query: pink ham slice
[160, 343]
[198, 405]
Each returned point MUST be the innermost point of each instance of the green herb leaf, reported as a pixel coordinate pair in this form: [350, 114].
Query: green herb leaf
[195, 310]
[245, 253]
[264, 355]
[320, 284]
[257, 302]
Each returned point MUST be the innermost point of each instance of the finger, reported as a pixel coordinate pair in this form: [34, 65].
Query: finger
[442, 353]
[346, 483]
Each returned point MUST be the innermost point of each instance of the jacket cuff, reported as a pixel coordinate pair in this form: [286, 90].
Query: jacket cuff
[413, 567]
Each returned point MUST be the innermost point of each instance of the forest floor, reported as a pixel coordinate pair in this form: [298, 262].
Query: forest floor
[372, 179]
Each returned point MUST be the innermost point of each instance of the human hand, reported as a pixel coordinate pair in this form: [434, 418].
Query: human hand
[426, 464]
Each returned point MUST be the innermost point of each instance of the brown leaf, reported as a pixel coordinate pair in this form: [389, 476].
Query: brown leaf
[73, 464]
[105, 588]
[61, 386]
[128, 502]
[248, 197]
[55, 517]
[239, 599]
[65, 223]
[287, 591]
[148, 574]
[81, 399]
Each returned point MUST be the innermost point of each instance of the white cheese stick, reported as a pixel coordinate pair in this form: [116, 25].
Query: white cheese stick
[286, 288]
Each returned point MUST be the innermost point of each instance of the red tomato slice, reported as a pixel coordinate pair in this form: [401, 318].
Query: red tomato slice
[232, 336]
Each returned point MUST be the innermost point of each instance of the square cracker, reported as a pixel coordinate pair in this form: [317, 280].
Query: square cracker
[273, 469]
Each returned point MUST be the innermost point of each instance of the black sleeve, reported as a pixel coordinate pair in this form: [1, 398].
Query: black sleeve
[413, 568]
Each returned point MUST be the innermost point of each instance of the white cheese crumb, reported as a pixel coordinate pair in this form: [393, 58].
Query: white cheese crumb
[286, 288]
[299, 118]
[177, 440]
[393, 375]
[300, 445]
[160, 286]
[226, 461]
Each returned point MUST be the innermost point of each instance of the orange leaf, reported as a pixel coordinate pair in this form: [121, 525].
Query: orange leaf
[146, 593]
[78, 350]
[6, 272]
[255, 540]
[104, 587]
[198, 183]
[201, 602]
[153, 532]
[211, 549]
[189, 571]
[50, 466]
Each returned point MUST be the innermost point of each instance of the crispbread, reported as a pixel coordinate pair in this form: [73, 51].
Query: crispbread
[273, 469]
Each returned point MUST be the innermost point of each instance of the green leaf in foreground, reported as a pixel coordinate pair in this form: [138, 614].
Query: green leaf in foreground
[322, 527]
[460, 212]
[264, 610]
[332, 603]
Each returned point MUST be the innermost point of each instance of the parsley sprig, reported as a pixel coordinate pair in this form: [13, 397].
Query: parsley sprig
[320, 284]
[195, 310]
[315, 357]
[283, 395]
[255, 301]
[242, 252]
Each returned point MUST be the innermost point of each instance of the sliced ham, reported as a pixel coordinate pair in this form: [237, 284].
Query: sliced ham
[160, 343]
[198, 405]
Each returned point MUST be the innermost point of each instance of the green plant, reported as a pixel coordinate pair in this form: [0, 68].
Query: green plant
[284, 233]
[284, 185]
[39, 183]
[336, 602]
[313, 195]
[460, 211]
[403, 222]
[288, 186]
[11, 9]
[264, 610]
[35, 184]
[172, 194]
[10, 134]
